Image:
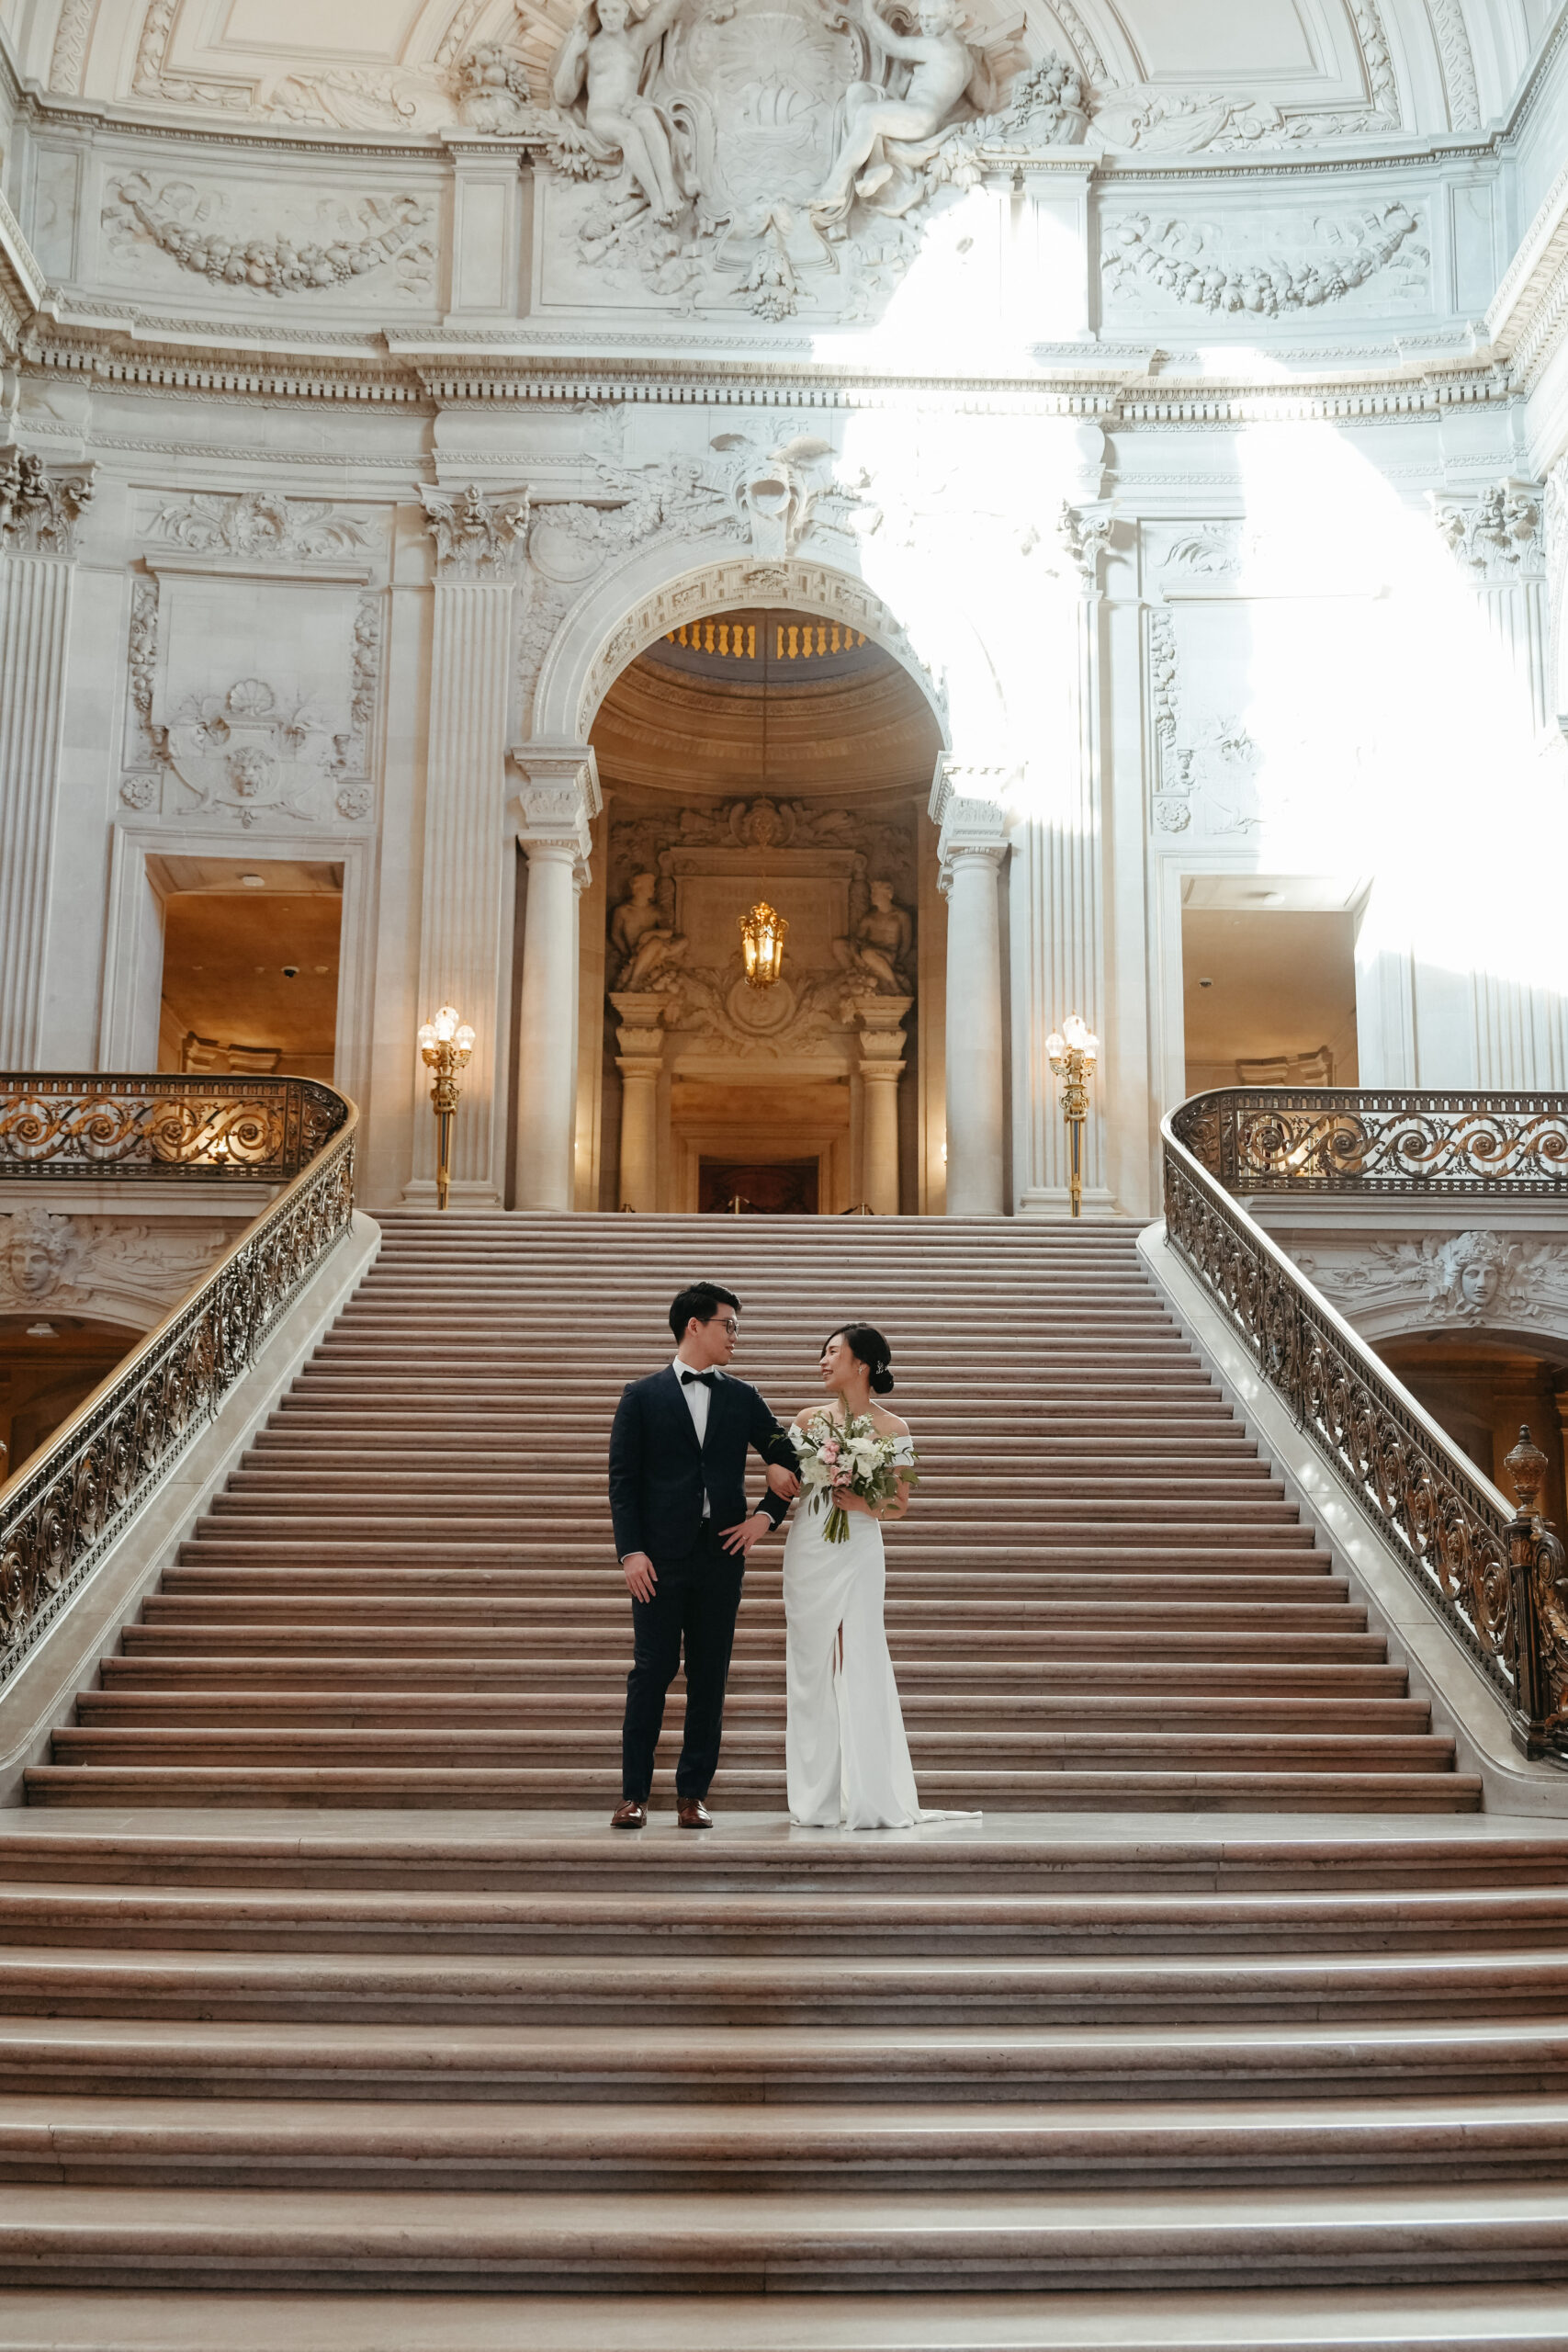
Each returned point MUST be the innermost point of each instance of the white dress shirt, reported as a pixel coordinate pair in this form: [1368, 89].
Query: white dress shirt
[699, 1400]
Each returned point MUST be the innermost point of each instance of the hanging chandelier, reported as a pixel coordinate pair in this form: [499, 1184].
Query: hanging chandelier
[762, 945]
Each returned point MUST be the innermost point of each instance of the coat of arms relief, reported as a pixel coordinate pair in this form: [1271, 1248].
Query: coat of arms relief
[774, 155]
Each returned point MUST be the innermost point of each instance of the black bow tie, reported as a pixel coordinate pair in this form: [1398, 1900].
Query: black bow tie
[702, 1379]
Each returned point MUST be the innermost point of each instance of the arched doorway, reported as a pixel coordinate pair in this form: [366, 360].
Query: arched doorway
[49, 1364]
[760, 752]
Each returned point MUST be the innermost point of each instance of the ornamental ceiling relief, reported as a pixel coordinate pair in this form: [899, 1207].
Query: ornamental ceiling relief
[776, 158]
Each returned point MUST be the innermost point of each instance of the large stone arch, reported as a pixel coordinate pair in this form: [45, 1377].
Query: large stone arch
[629, 604]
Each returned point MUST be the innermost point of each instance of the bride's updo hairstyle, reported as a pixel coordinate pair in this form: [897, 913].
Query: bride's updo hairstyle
[867, 1346]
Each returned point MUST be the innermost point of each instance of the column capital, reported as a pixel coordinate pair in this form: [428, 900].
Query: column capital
[41, 504]
[960, 783]
[478, 535]
[557, 796]
[970, 830]
[641, 1015]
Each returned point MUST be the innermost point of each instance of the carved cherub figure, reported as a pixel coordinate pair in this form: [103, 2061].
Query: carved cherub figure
[599, 68]
[880, 944]
[943, 67]
[648, 945]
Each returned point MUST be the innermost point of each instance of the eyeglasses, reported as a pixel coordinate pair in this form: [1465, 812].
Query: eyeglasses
[728, 1321]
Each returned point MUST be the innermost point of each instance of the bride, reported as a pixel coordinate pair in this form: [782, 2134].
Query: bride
[846, 1756]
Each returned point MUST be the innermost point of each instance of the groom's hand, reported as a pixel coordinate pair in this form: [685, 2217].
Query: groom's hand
[640, 1575]
[740, 1539]
[784, 1482]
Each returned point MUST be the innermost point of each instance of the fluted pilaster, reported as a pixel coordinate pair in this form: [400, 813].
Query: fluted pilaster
[972, 848]
[467, 869]
[35, 613]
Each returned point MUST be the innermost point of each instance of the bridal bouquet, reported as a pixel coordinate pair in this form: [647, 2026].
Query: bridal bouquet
[849, 1458]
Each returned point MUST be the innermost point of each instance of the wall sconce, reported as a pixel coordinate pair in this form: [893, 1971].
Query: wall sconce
[762, 945]
[445, 1044]
[1072, 1052]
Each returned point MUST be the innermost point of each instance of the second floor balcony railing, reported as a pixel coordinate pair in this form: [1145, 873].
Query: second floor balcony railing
[1495, 1575]
[77, 1495]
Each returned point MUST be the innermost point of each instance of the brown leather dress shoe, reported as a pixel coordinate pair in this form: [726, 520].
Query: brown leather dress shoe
[629, 1815]
[693, 1814]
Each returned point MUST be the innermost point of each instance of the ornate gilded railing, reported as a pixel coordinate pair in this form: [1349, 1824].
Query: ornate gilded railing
[1496, 1577]
[251, 1130]
[1334, 1139]
[63, 1508]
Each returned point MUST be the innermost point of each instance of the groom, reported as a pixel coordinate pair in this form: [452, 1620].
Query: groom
[677, 1498]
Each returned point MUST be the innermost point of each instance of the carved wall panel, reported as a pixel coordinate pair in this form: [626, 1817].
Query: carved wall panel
[844, 881]
[202, 233]
[253, 688]
[120, 1269]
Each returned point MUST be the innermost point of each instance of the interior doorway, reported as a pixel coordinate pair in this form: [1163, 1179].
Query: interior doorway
[250, 969]
[1482, 1391]
[1269, 987]
[49, 1364]
[759, 1188]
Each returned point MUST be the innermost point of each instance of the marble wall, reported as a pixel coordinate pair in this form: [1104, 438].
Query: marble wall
[1202, 467]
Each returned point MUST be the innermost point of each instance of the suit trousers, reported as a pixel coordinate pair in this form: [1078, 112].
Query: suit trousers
[694, 1602]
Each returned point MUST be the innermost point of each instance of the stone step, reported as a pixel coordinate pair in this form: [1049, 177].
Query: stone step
[1194, 1789]
[921, 1681]
[348, 1707]
[1139, 1990]
[608, 2152]
[1335, 1636]
[952, 1618]
[746, 1854]
[1486, 2318]
[820, 2066]
[783, 1923]
[845, 2240]
[939, 1753]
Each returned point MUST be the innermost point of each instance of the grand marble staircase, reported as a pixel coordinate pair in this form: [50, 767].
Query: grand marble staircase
[320, 1970]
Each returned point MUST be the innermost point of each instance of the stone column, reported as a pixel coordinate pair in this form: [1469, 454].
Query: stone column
[556, 802]
[641, 1063]
[462, 945]
[38, 518]
[880, 1068]
[973, 849]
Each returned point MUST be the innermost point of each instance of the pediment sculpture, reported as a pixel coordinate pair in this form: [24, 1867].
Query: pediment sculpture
[738, 148]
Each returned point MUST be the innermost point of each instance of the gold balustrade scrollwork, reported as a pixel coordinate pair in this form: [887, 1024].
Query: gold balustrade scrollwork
[1334, 1138]
[61, 1128]
[63, 1509]
[1496, 1577]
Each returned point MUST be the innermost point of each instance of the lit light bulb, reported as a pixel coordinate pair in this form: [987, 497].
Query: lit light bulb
[447, 1023]
[464, 1038]
[1055, 1045]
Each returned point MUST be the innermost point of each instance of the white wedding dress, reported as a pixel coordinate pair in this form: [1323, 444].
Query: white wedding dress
[845, 1753]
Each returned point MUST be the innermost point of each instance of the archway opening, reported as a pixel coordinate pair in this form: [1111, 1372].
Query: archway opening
[764, 755]
[1482, 1390]
[49, 1365]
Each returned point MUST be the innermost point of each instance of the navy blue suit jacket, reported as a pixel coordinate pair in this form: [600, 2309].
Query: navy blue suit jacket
[658, 1475]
